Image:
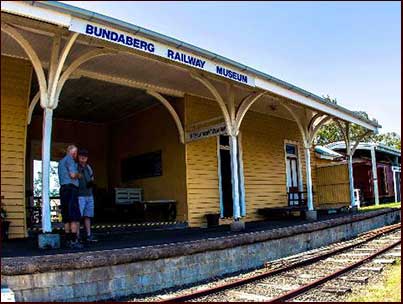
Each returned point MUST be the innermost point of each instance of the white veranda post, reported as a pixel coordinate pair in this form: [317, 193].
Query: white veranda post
[309, 123]
[46, 143]
[48, 95]
[350, 149]
[374, 175]
[235, 176]
[230, 122]
[351, 180]
[309, 178]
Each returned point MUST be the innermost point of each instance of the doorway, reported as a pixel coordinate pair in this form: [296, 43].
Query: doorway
[397, 185]
[292, 173]
[227, 208]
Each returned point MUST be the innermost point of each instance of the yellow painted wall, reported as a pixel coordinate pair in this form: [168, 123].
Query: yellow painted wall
[201, 163]
[263, 139]
[332, 185]
[15, 86]
[149, 131]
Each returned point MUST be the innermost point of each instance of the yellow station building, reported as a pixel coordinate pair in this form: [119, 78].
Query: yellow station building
[179, 123]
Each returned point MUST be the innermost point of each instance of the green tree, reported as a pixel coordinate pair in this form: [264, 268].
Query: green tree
[331, 132]
[391, 139]
[53, 191]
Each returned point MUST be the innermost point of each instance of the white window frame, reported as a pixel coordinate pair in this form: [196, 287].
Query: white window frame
[396, 169]
[298, 145]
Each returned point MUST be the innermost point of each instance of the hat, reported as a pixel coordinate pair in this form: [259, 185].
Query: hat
[83, 152]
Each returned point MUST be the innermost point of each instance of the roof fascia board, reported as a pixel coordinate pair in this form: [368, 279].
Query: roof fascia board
[368, 146]
[43, 14]
[310, 102]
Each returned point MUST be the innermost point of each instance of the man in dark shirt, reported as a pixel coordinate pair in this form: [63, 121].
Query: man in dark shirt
[68, 178]
[85, 195]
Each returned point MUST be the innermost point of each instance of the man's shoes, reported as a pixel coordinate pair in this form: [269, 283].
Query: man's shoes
[75, 245]
[91, 239]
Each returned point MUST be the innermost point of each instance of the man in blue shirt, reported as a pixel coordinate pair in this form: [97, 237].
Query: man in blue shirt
[68, 178]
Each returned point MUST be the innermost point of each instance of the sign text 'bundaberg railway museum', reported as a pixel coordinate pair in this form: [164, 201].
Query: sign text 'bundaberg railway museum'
[158, 49]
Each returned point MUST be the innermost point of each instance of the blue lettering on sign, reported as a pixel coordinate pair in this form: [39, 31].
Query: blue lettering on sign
[119, 38]
[188, 59]
[231, 74]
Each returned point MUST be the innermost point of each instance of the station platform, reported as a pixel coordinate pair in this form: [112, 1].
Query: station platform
[134, 237]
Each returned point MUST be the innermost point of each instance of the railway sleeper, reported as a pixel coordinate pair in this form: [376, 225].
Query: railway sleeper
[373, 268]
[339, 290]
[384, 261]
[247, 296]
[355, 279]
[282, 287]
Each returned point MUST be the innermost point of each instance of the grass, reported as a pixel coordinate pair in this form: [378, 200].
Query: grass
[388, 290]
[381, 206]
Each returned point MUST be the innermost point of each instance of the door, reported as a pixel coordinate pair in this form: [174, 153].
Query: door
[225, 177]
[397, 178]
[292, 173]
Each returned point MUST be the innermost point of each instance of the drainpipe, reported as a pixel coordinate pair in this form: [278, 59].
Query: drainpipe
[374, 175]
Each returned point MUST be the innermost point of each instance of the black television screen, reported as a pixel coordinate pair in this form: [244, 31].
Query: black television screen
[141, 166]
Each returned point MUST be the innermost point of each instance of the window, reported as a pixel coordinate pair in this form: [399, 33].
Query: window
[141, 166]
[291, 149]
[224, 141]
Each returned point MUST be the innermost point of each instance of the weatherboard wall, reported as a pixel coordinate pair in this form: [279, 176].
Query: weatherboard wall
[148, 131]
[15, 86]
[262, 139]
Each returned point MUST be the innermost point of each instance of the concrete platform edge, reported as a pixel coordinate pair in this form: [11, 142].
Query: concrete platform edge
[148, 276]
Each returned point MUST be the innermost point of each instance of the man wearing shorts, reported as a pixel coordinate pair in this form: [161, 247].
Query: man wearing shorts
[68, 178]
[85, 195]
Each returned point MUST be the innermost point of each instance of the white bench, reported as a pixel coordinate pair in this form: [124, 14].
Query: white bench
[128, 196]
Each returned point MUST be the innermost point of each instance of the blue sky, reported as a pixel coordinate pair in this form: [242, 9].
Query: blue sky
[349, 50]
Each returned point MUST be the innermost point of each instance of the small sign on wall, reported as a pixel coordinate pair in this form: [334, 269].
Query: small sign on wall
[219, 129]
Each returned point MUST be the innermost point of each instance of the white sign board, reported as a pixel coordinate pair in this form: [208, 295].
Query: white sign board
[145, 45]
[7, 295]
[215, 130]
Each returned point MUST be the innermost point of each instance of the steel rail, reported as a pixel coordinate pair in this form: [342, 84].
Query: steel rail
[293, 293]
[243, 281]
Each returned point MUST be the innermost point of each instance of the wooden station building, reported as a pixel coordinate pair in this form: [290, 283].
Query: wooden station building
[163, 120]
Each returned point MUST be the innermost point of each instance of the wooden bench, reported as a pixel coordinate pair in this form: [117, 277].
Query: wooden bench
[281, 212]
[128, 196]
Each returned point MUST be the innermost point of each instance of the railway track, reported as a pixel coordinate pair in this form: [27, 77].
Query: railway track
[321, 274]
